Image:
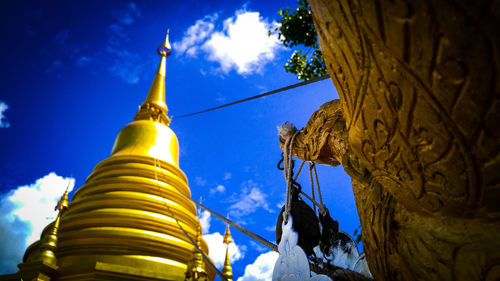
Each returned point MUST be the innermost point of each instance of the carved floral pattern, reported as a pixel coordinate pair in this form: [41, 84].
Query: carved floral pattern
[417, 130]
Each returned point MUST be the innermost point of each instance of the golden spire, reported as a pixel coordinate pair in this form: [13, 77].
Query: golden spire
[149, 134]
[227, 271]
[196, 266]
[227, 236]
[154, 107]
[48, 240]
[126, 216]
[62, 204]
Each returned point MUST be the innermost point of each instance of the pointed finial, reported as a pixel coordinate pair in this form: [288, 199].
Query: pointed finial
[62, 204]
[165, 49]
[154, 107]
[48, 240]
[227, 235]
[227, 271]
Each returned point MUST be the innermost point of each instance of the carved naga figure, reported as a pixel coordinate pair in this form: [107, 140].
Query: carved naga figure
[417, 129]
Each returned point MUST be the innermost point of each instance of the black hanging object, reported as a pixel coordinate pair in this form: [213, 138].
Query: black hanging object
[305, 222]
[329, 233]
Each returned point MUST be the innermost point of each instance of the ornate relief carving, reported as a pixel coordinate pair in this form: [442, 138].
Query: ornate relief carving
[324, 139]
[418, 130]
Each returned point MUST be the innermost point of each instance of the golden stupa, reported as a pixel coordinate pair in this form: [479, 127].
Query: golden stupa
[127, 221]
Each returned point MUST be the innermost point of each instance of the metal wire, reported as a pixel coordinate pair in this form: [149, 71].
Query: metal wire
[252, 235]
[255, 97]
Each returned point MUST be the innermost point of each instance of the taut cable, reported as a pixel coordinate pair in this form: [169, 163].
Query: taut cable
[256, 97]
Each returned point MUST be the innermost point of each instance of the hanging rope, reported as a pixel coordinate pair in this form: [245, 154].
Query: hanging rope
[312, 186]
[288, 173]
[257, 96]
[323, 207]
[285, 170]
[298, 171]
[310, 199]
[288, 132]
[157, 165]
[313, 201]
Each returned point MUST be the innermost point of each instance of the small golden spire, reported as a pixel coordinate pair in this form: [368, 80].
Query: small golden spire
[227, 271]
[48, 241]
[227, 236]
[154, 107]
[62, 204]
[196, 267]
[165, 50]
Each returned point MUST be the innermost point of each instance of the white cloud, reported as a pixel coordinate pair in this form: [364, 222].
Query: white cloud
[217, 249]
[195, 34]
[280, 204]
[127, 65]
[243, 44]
[261, 269]
[271, 228]
[258, 247]
[24, 212]
[205, 221]
[219, 188]
[220, 98]
[250, 199]
[227, 175]
[119, 31]
[3, 120]
[200, 181]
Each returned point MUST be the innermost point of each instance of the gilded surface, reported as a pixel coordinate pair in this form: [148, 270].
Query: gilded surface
[418, 84]
[124, 217]
[123, 223]
[324, 138]
[227, 270]
[196, 267]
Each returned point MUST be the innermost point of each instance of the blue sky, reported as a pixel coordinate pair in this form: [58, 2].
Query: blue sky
[74, 72]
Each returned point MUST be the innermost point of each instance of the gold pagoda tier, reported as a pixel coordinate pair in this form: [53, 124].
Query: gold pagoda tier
[121, 224]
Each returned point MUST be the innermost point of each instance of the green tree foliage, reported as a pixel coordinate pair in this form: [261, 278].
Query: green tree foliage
[296, 28]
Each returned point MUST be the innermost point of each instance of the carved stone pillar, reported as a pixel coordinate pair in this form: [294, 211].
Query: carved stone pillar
[419, 90]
